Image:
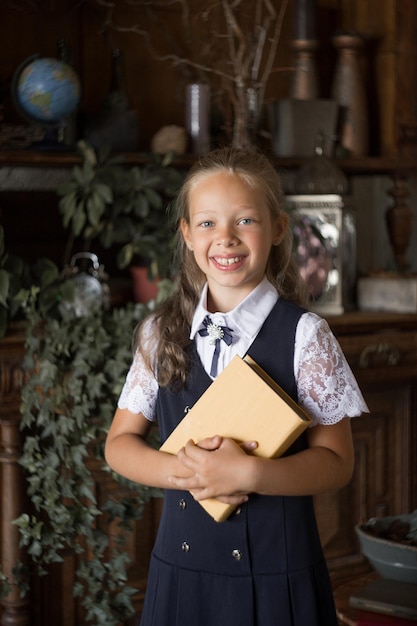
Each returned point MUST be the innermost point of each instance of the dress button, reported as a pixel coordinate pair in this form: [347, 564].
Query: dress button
[237, 554]
[183, 504]
[185, 547]
[238, 510]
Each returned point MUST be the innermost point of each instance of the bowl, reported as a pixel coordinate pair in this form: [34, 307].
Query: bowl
[391, 559]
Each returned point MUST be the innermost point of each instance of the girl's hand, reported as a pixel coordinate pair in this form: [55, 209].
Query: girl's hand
[220, 469]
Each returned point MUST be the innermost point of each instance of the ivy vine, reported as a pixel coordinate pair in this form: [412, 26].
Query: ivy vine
[77, 366]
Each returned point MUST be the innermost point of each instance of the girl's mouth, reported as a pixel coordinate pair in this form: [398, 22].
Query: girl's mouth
[228, 262]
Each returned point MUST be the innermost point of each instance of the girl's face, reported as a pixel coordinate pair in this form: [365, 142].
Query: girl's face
[230, 232]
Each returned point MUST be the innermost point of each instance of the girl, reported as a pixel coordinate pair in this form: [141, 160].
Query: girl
[263, 566]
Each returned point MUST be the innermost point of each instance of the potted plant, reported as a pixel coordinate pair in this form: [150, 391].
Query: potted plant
[123, 207]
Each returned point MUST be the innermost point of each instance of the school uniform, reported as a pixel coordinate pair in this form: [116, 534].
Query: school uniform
[263, 566]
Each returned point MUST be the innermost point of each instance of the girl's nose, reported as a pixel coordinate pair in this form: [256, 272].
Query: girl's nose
[227, 237]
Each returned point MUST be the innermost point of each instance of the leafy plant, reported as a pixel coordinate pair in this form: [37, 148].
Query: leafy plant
[77, 367]
[18, 279]
[13, 271]
[122, 206]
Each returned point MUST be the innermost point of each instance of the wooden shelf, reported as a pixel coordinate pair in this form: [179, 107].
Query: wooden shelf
[64, 159]
[361, 322]
[26, 170]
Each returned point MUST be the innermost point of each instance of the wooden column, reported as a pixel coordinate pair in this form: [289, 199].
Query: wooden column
[14, 610]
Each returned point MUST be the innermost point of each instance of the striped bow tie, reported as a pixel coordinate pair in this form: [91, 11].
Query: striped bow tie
[216, 334]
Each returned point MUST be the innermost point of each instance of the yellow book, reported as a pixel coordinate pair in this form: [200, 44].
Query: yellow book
[245, 404]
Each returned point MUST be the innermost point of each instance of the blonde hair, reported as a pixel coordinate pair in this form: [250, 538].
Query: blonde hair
[172, 322]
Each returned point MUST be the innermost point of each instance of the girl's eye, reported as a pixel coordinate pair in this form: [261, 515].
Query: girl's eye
[246, 220]
[206, 224]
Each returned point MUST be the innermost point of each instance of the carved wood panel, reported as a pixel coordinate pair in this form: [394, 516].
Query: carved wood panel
[12, 490]
[382, 480]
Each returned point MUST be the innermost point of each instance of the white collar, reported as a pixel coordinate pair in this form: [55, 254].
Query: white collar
[246, 318]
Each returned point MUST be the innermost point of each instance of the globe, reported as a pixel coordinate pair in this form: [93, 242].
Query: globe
[46, 90]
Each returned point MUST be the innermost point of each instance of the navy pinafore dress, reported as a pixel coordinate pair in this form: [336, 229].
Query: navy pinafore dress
[263, 566]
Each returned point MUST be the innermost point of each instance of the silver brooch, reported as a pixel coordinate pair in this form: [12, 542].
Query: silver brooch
[215, 333]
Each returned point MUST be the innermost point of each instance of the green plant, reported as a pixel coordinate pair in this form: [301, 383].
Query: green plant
[122, 206]
[18, 278]
[77, 367]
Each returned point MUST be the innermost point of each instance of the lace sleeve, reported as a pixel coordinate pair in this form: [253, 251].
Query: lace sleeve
[327, 388]
[140, 389]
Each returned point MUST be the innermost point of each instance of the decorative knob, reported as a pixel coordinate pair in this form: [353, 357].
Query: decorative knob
[387, 351]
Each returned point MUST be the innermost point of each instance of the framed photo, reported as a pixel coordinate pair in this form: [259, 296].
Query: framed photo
[325, 249]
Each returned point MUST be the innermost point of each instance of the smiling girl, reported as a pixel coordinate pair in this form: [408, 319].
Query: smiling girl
[263, 566]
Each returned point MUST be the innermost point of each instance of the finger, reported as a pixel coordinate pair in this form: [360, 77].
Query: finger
[211, 443]
[196, 452]
[249, 446]
[185, 455]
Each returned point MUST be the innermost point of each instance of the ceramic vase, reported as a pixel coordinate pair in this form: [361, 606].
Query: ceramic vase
[348, 90]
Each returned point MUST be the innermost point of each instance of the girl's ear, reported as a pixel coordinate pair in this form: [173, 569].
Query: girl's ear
[281, 226]
[185, 231]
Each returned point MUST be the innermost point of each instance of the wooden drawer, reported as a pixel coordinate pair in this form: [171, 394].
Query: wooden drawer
[386, 354]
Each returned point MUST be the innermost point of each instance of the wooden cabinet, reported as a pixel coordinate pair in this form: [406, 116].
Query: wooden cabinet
[382, 350]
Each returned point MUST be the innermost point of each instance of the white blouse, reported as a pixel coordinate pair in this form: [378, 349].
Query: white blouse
[326, 386]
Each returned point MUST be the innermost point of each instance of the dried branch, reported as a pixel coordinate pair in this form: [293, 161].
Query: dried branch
[241, 48]
[273, 49]
[245, 48]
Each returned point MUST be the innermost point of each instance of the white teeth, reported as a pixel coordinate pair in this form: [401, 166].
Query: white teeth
[230, 261]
